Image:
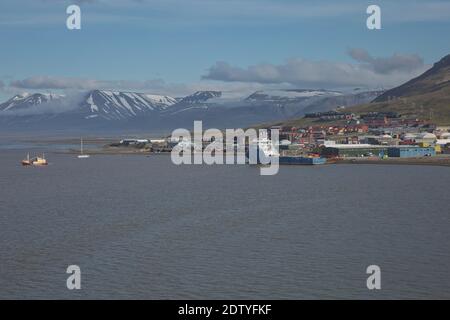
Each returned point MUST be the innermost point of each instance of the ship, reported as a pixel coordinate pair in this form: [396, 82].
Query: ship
[261, 151]
[300, 160]
[36, 161]
[265, 151]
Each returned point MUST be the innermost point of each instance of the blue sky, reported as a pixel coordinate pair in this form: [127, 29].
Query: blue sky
[176, 47]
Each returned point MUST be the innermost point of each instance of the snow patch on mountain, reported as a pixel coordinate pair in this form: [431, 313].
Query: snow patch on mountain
[26, 100]
[277, 95]
[115, 105]
[200, 97]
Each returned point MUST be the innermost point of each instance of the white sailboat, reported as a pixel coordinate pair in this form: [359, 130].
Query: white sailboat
[82, 155]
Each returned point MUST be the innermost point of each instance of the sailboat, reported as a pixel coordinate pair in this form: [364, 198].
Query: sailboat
[82, 155]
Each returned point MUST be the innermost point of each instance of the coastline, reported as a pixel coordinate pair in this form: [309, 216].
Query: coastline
[441, 160]
[100, 146]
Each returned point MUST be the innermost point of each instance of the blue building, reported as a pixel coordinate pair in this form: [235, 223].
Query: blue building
[410, 152]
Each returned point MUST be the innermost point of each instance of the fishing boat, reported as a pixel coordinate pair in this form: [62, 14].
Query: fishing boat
[36, 161]
[82, 155]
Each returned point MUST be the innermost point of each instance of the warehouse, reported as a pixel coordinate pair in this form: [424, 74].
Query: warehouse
[354, 150]
[411, 152]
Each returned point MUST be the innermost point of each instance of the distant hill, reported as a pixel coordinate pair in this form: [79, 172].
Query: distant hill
[426, 97]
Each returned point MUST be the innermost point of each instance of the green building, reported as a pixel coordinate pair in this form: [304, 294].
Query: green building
[355, 150]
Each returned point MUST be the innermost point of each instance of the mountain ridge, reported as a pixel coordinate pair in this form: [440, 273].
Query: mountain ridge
[426, 97]
[434, 79]
[125, 109]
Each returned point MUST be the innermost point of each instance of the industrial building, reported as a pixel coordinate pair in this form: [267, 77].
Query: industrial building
[354, 150]
[410, 152]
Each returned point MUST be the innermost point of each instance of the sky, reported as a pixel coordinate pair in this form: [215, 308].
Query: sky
[177, 47]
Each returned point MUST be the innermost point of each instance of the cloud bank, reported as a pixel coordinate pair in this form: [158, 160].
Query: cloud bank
[61, 83]
[396, 63]
[367, 71]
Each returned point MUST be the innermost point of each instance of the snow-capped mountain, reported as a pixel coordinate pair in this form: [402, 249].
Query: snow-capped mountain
[116, 105]
[290, 95]
[116, 110]
[200, 97]
[26, 101]
[200, 100]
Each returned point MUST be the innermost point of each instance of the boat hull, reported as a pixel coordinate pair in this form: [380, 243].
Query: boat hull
[302, 160]
[35, 162]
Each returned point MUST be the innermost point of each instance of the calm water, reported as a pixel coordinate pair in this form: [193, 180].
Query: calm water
[140, 227]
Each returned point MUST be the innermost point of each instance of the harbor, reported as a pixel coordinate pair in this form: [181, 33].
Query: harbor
[404, 149]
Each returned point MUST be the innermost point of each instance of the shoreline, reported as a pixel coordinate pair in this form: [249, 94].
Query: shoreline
[99, 148]
[442, 161]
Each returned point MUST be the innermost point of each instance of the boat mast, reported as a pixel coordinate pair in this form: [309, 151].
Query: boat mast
[81, 145]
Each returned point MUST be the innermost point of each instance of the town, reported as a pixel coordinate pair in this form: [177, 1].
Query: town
[338, 135]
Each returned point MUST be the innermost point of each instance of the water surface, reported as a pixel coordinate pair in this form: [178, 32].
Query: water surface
[140, 227]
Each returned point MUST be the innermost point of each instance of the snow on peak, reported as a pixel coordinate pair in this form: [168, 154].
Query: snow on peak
[201, 96]
[27, 100]
[290, 94]
[21, 96]
[121, 105]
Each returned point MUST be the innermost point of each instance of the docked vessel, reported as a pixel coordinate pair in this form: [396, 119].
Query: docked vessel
[296, 160]
[260, 151]
[36, 161]
[265, 151]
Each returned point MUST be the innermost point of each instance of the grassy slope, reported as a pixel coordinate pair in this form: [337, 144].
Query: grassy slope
[434, 106]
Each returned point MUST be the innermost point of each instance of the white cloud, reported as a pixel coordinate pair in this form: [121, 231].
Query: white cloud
[70, 86]
[60, 83]
[387, 65]
[369, 71]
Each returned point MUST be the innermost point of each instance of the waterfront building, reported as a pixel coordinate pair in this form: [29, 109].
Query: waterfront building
[354, 150]
[426, 138]
[410, 152]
